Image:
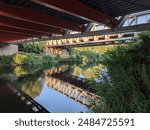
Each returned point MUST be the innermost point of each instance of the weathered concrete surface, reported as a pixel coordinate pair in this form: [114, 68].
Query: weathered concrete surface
[8, 49]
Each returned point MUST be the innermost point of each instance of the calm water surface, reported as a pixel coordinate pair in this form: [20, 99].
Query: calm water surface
[59, 89]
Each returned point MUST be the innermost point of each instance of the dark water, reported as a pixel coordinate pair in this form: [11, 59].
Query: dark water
[60, 89]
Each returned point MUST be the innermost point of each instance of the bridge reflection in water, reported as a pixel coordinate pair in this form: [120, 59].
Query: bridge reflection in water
[70, 90]
[58, 95]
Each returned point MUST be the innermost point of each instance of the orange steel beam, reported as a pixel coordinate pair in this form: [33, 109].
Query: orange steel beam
[78, 9]
[29, 26]
[36, 17]
[24, 32]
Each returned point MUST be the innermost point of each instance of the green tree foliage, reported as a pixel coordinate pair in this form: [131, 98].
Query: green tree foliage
[129, 69]
[90, 54]
[94, 49]
[34, 59]
[27, 59]
[19, 59]
[32, 47]
[6, 60]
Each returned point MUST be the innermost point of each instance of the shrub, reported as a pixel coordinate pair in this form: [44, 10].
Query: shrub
[6, 60]
[129, 69]
[19, 59]
[36, 47]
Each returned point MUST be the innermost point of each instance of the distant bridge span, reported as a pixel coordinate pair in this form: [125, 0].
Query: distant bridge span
[102, 37]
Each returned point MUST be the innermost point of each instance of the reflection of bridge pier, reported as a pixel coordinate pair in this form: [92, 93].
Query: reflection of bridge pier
[80, 95]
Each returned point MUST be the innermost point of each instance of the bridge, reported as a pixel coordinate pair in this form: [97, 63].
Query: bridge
[80, 23]
[78, 94]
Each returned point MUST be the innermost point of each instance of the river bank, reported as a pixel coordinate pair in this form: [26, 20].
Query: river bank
[34, 59]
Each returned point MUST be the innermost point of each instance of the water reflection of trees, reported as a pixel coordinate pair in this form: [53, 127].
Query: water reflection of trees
[30, 79]
[30, 83]
[20, 70]
[32, 88]
[6, 70]
[89, 73]
[24, 70]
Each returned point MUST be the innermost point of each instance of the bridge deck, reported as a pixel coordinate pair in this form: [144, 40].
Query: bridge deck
[31, 19]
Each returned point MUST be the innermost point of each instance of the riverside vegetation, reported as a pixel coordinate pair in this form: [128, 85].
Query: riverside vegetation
[128, 88]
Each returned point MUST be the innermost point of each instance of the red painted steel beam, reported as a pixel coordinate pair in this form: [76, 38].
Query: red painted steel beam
[10, 41]
[7, 38]
[36, 17]
[4, 32]
[2, 41]
[78, 9]
[29, 26]
[23, 32]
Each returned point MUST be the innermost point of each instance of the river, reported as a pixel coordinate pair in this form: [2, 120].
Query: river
[56, 89]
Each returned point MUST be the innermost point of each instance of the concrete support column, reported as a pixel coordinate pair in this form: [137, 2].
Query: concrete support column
[8, 49]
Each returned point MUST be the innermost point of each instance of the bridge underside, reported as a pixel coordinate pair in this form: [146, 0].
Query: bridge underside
[27, 20]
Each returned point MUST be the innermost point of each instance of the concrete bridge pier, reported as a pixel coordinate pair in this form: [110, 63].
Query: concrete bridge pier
[8, 49]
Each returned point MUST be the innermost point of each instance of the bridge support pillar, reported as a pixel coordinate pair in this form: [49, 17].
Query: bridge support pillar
[56, 51]
[8, 49]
